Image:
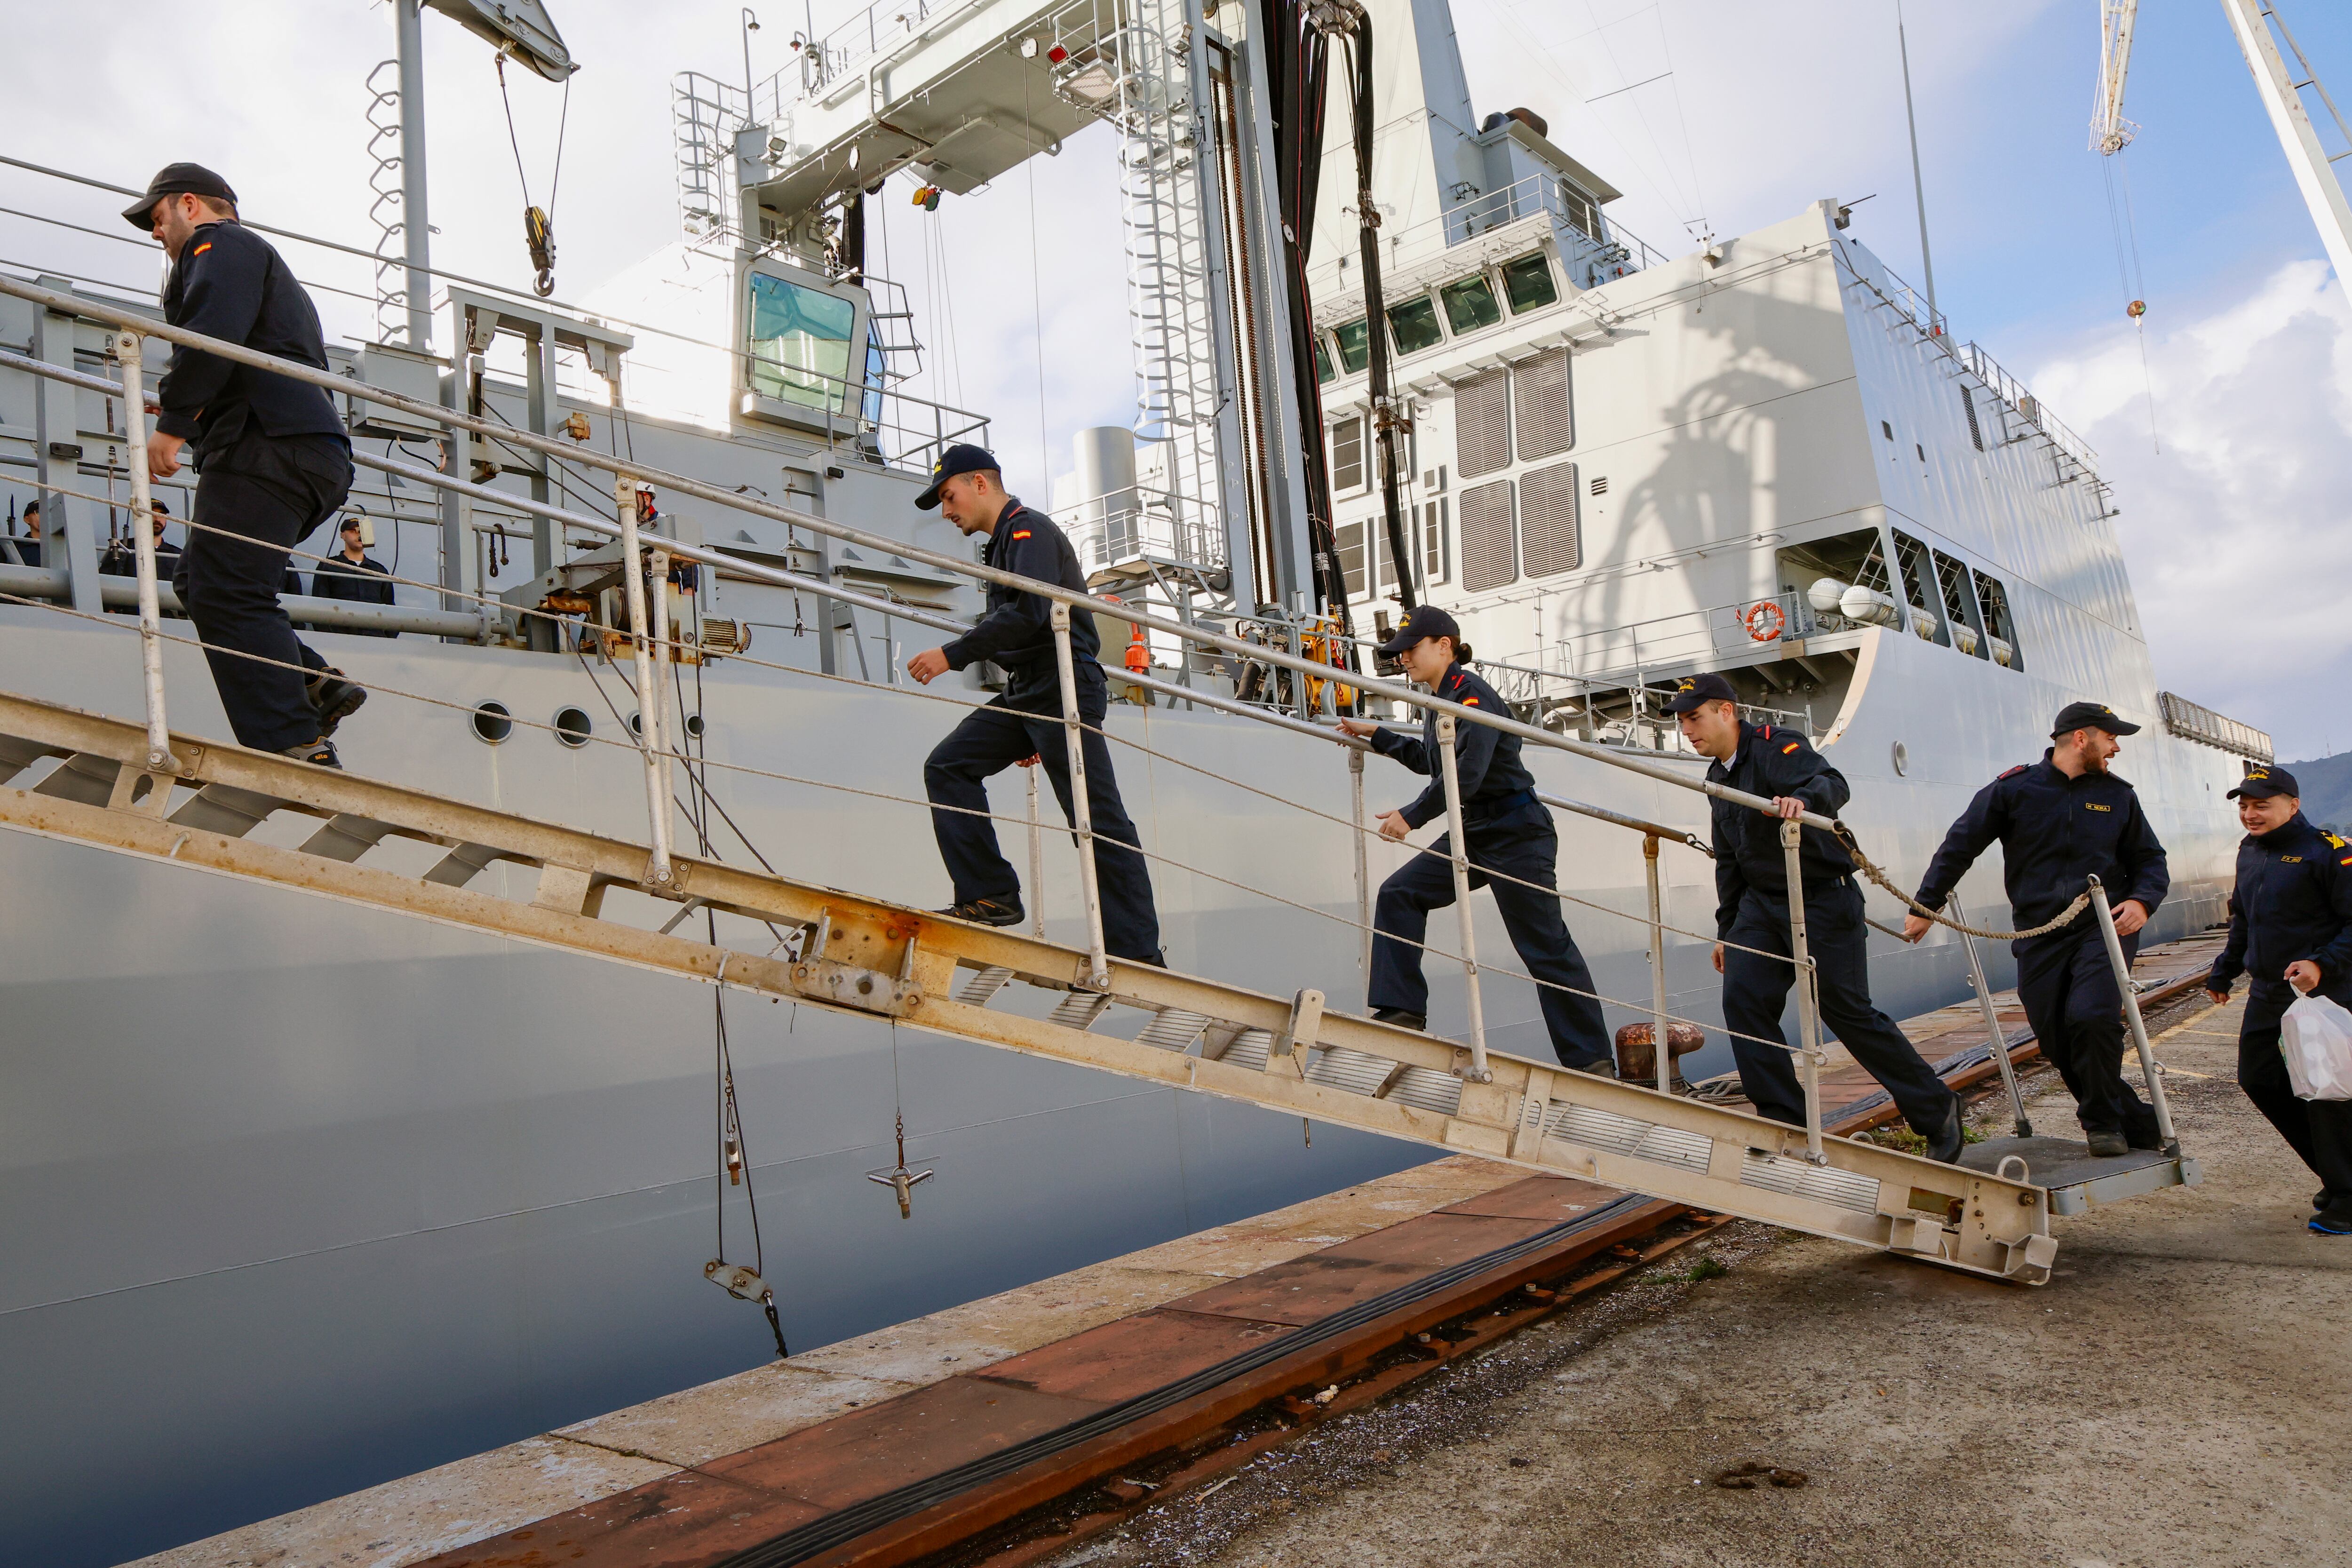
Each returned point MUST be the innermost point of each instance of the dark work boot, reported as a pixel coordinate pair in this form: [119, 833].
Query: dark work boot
[335, 697]
[987, 912]
[1944, 1144]
[1417, 1022]
[2108, 1145]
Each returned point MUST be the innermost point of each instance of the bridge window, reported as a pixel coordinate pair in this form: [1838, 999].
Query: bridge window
[1353, 566]
[1355, 346]
[1470, 304]
[1527, 283]
[1323, 371]
[1347, 456]
[1414, 326]
[799, 343]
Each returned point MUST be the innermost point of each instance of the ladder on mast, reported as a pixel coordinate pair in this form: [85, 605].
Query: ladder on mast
[862, 955]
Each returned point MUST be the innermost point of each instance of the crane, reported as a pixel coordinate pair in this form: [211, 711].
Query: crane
[2259, 29]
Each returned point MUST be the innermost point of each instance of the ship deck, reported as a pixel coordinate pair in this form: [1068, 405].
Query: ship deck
[1012, 1425]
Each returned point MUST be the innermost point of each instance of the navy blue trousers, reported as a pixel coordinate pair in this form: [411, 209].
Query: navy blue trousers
[1756, 993]
[1023, 723]
[2068, 990]
[2319, 1131]
[1522, 845]
[273, 494]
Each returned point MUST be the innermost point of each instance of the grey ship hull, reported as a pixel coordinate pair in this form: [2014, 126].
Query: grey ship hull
[299, 1197]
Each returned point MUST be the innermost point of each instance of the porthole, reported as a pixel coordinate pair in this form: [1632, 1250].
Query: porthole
[694, 726]
[1902, 759]
[637, 725]
[492, 723]
[572, 727]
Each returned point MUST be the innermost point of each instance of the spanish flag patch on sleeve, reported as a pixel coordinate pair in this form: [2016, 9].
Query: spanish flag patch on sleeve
[1020, 533]
[1790, 747]
[201, 248]
[1469, 702]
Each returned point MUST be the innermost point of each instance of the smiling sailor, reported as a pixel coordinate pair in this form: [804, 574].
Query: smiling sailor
[1509, 833]
[1021, 726]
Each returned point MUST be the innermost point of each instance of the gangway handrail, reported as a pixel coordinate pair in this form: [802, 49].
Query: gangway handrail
[1052, 592]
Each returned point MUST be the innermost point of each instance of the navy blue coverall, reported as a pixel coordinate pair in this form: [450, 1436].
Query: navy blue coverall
[1025, 721]
[2293, 901]
[274, 462]
[1510, 833]
[2054, 833]
[1751, 912]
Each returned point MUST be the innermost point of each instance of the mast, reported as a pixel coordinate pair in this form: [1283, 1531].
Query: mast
[2315, 172]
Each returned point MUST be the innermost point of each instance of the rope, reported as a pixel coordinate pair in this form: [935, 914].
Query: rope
[2064, 917]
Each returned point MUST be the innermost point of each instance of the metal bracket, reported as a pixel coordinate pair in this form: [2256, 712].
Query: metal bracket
[1288, 1052]
[867, 990]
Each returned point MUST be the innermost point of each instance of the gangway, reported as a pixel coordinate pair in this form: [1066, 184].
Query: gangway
[141, 789]
[863, 955]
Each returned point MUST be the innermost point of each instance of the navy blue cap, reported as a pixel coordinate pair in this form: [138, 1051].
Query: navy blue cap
[2090, 716]
[1693, 691]
[960, 459]
[172, 180]
[2262, 782]
[1428, 621]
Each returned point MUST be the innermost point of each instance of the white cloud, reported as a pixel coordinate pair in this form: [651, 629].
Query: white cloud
[2235, 530]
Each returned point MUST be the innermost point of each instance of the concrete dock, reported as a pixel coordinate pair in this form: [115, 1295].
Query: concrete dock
[1460, 1269]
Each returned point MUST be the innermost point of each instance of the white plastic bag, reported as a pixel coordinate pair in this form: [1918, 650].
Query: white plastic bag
[2316, 1036]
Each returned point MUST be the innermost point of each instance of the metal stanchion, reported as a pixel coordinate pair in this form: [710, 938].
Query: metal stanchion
[1081, 813]
[1999, 1042]
[2156, 1098]
[1364, 866]
[1658, 967]
[633, 587]
[665, 736]
[127, 349]
[1809, 1013]
[1460, 859]
[1036, 859]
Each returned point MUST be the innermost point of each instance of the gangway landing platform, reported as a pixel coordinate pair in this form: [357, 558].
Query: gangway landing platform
[2078, 1179]
[861, 955]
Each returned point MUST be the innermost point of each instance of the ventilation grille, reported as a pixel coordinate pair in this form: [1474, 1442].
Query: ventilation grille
[1548, 524]
[1490, 550]
[1539, 404]
[1482, 423]
[1601, 484]
[1968, 402]
[1821, 1184]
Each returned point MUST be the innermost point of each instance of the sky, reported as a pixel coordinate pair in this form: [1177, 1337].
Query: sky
[2222, 429]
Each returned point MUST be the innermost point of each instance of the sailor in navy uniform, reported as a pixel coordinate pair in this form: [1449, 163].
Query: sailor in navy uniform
[1023, 725]
[1509, 833]
[2060, 821]
[1751, 920]
[2289, 933]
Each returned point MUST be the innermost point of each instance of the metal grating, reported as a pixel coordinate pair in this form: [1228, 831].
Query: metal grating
[1490, 545]
[980, 987]
[1597, 1129]
[1540, 405]
[1079, 1009]
[1821, 1184]
[1249, 1049]
[1427, 1089]
[1482, 423]
[1174, 1030]
[1550, 533]
[1354, 1071]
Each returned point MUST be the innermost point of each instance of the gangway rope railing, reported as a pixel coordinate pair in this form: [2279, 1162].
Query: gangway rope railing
[628, 470]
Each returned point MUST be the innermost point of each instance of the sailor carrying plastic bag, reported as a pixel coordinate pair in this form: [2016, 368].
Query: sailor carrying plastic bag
[2316, 1036]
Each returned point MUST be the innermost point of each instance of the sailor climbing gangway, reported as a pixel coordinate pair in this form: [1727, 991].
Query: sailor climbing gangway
[141, 789]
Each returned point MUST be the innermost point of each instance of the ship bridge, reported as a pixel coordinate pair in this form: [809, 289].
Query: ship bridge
[136, 787]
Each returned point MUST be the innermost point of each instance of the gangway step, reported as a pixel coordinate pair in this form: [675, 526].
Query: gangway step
[862, 955]
[2078, 1179]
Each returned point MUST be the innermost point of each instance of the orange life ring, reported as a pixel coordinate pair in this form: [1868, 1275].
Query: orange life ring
[1765, 620]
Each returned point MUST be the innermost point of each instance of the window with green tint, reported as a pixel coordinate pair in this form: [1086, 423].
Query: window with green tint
[1529, 283]
[1323, 371]
[1414, 326]
[1355, 346]
[1471, 304]
[800, 343]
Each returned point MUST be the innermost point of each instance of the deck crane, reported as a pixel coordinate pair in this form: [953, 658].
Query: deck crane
[2259, 29]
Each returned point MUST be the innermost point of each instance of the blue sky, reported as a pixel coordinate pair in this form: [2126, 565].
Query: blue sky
[2234, 531]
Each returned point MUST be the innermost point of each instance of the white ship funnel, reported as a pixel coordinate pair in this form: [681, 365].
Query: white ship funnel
[1107, 507]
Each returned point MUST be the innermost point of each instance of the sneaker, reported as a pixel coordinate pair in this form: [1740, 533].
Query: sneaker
[986, 911]
[320, 752]
[2333, 1222]
[335, 697]
[2108, 1145]
[1417, 1022]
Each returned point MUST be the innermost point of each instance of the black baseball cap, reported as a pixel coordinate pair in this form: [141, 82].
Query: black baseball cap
[1428, 621]
[2261, 784]
[1693, 691]
[2090, 716]
[960, 459]
[171, 180]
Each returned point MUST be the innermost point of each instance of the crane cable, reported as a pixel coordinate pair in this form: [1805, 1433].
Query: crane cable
[2134, 284]
[538, 223]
